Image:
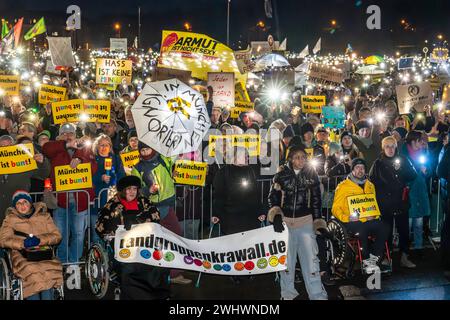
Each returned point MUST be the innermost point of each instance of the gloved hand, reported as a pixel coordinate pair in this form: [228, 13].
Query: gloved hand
[30, 242]
[278, 223]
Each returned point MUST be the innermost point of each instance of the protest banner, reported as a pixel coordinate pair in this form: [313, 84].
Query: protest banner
[223, 88]
[212, 144]
[415, 95]
[9, 85]
[333, 117]
[49, 93]
[244, 60]
[251, 142]
[309, 153]
[118, 45]
[61, 51]
[313, 104]
[67, 178]
[324, 74]
[252, 252]
[113, 71]
[240, 107]
[129, 160]
[17, 159]
[363, 206]
[197, 53]
[191, 173]
[405, 63]
[67, 111]
[97, 111]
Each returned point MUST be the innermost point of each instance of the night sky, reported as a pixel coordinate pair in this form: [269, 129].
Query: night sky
[301, 21]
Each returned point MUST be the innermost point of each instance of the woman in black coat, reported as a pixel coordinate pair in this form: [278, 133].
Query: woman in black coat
[137, 281]
[390, 173]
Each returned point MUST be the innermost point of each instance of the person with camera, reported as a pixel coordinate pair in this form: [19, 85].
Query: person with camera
[390, 174]
[29, 226]
[71, 214]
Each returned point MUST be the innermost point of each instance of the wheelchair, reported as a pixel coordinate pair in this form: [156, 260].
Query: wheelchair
[99, 268]
[344, 249]
[11, 287]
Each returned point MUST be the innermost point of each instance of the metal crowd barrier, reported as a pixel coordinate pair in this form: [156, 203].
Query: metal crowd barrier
[67, 223]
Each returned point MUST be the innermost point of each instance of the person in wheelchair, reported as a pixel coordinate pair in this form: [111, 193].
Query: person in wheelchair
[28, 226]
[137, 281]
[364, 220]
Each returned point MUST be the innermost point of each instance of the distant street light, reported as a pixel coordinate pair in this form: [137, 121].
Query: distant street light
[187, 26]
[117, 27]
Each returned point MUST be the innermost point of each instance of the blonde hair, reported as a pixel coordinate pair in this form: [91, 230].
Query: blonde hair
[387, 140]
[97, 141]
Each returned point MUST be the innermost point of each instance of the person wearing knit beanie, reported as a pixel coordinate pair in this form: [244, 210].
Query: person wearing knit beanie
[345, 133]
[21, 194]
[307, 127]
[358, 161]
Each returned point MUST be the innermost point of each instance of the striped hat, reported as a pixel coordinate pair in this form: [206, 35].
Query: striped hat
[21, 194]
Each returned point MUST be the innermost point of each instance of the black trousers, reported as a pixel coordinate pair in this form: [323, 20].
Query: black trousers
[374, 228]
[143, 282]
[402, 225]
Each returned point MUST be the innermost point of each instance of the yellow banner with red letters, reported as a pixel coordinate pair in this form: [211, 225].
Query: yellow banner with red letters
[192, 173]
[67, 178]
[363, 206]
[77, 110]
[17, 159]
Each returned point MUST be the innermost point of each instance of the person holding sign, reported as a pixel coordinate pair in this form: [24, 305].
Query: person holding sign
[356, 206]
[137, 281]
[390, 173]
[28, 225]
[71, 214]
[294, 199]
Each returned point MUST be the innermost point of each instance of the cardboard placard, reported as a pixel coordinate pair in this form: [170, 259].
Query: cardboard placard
[223, 88]
[313, 104]
[113, 71]
[191, 173]
[78, 178]
[10, 85]
[17, 159]
[49, 93]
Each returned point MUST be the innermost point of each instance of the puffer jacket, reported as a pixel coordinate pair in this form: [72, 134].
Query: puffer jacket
[344, 190]
[37, 276]
[297, 195]
[389, 182]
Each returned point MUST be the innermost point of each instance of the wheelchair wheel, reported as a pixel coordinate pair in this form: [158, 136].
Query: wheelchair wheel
[338, 242]
[5, 284]
[97, 270]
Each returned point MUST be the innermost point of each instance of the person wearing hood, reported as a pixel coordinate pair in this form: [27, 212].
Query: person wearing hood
[348, 147]
[367, 141]
[390, 174]
[294, 198]
[29, 225]
[155, 172]
[357, 184]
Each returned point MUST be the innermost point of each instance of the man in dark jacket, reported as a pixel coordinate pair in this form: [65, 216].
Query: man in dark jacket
[390, 173]
[295, 198]
[443, 172]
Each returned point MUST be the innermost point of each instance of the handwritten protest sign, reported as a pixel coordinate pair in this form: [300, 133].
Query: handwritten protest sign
[77, 110]
[313, 104]
[10, 85]
[17, 159]
[190, 172]
[113, 71]
[49, 93]
[363, 206]
[67, 178]
[318, 73]
[223, 88]
[333, 117]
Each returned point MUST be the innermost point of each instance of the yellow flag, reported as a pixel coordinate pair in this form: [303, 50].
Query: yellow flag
[197, 53]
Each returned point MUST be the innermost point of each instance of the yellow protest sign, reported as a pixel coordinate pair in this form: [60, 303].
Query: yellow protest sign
[313, 104]
[97, 110]
[17, 159]
[49, 93]
[239, 107]
[190, 172]
[67, 178]
[129, 159]
[113, 71]
[309, 153]
[240, 93]
[77, 110]
[363, 206]
[251, 142]
[67, 111]
[197, 53]
[213, 142]
[10, 85]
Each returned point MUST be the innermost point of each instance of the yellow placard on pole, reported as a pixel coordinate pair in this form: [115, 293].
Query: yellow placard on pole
[130, 159]
[239, 107]
[49, 93]
[313, 104]
[67, 111]
[17, 159]
[363, 205]
[192, 173]
[98, 110]
[113, 71]
[10, 85]
[67, 178]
